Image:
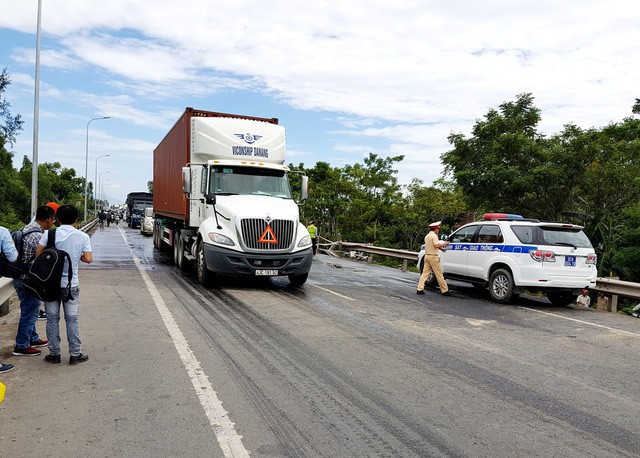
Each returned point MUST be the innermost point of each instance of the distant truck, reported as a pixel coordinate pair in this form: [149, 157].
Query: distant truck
[136, 203]
[223, 202]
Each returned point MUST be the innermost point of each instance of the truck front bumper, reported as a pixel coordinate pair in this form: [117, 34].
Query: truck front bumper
[228, 262]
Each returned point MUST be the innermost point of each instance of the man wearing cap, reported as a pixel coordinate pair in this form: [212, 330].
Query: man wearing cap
[584, 300]
[432, 259]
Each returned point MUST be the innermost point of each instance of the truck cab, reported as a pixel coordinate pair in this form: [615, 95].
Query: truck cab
[240, 217]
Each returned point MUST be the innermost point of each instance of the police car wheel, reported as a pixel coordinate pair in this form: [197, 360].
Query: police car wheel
[501, 285]
[431, 281]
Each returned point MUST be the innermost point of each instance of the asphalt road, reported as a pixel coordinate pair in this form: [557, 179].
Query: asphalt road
[353, 363]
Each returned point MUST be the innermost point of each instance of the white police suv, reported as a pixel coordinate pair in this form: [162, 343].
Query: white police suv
[509, 254]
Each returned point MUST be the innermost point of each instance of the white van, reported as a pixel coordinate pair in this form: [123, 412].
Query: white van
[146, 223]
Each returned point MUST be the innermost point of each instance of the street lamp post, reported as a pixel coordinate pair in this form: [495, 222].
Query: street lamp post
[86, 165]
[36, 117]
[95, 185]
[100, 186]
[103, 190]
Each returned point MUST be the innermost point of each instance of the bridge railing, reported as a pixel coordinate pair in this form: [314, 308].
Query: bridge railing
[610, 286]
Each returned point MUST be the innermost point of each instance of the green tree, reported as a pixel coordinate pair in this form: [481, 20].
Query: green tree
[492, 167]
[375, 190]
[9, 125]
[15, 203]
[55, 183]
[328, 201]
[14, 197]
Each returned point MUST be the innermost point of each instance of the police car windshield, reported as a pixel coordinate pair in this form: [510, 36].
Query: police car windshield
[565, 237]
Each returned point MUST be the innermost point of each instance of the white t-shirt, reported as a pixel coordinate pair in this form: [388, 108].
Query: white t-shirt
[74, 242]
[584, 301]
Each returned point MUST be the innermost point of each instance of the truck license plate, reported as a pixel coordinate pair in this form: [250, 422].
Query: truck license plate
[266, 272]
[570, 261]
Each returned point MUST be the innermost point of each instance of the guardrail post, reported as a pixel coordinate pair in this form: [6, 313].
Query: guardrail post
[614, 303]
[404, 265]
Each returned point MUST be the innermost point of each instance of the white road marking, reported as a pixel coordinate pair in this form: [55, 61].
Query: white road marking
[621, 331]
[230, 441]
[333, 292]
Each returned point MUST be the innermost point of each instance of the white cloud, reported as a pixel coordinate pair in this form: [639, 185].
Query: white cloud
[398, 76]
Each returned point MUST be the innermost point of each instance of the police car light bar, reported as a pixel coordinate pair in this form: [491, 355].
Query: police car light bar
[490, 216]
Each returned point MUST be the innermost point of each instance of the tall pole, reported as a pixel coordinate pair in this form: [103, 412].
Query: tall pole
[100, 187]
[95, 185]
[86, 166]
[36, 116]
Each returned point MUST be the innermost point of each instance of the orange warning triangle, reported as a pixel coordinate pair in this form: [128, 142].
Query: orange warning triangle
[268, 236]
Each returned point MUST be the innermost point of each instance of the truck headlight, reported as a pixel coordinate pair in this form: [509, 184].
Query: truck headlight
[304, 241]
[221, 239]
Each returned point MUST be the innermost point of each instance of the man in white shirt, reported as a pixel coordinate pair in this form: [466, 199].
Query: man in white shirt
[584, 300]
[78, 245]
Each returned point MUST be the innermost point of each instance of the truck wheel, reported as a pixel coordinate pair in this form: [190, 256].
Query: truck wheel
[205, 276]
[181, 261]
[156, 237]
[298, 280]
[176, 246]
[561, 299]
[501, 286]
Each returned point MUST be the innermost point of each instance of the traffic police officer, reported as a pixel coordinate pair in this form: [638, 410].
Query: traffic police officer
[432, 259]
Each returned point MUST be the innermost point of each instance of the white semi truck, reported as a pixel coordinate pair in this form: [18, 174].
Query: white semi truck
[222, 199]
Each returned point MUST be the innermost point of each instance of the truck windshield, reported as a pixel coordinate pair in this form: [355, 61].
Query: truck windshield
[234, 180]
[139, 207]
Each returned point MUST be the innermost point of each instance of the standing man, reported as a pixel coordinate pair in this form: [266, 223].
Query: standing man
[432, 259]
[54, 206]
[78, 245]
[27, 337]
[8, 249]
[313, 232]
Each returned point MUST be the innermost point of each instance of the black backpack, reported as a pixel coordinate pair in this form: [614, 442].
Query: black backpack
[18, 240]
[43, 278]
[18, 268]
[11, 269]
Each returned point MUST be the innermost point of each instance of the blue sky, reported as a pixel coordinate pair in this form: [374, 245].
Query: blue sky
[345, 80]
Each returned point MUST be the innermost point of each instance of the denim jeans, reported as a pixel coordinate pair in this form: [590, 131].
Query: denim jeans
[71, 308]
[29, 309]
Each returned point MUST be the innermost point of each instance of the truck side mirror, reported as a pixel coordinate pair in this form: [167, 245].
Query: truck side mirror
[186, 180]
[210, 199]
[304, 188]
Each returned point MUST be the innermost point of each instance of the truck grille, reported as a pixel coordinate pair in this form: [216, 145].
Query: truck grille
[258, 235]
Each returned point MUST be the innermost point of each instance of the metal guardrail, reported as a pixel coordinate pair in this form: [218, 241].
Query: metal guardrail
[6, 284]
[612, 287]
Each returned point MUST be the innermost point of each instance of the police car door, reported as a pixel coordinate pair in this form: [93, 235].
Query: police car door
[454, 260]
[489, 242]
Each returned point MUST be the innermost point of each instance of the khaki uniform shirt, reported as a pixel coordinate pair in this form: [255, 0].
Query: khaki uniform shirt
[431, 243]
